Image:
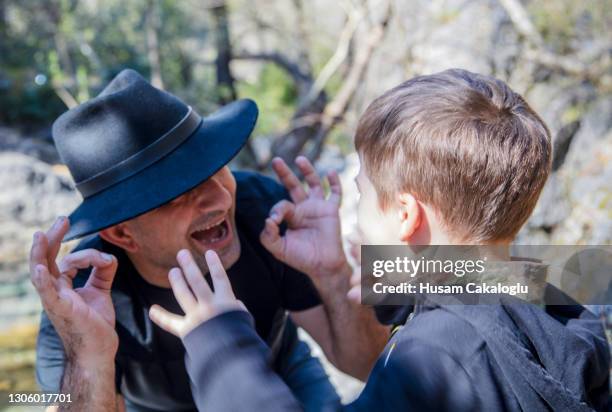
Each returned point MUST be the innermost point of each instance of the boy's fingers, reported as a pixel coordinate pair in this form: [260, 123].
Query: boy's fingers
[55, 235]
[310, 175]
[335, 187]
[283, 210]
[194, 276]
[165, 320]
[181, 291]
[270, 238]
[289, 180]
[223, 288]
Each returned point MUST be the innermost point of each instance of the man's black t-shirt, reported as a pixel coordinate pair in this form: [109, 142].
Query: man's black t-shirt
[150, 362]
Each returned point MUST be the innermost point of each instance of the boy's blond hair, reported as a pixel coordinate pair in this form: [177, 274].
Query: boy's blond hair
[462, 143]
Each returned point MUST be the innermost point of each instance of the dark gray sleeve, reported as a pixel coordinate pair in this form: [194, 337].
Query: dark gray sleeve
[415, 376]
[226, 362]
[50, 357]
[229, 370]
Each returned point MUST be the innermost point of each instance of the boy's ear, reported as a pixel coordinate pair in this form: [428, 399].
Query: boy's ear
[120, 235]
[409, 216]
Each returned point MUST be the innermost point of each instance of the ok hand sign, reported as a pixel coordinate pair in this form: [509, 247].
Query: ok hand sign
[84, 318]
[312, 243]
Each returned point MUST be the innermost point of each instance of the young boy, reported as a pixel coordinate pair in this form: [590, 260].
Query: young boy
[450, 158]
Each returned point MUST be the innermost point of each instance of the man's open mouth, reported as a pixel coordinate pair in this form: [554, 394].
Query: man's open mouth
[212, 235]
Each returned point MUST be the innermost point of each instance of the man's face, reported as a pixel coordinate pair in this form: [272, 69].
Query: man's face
[376, 226]
[199, 220]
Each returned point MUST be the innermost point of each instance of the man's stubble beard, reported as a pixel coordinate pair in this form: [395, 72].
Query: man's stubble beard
[228, 257]
[164, 261]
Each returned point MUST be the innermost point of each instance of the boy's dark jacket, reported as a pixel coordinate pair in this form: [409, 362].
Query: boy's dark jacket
[506, 357]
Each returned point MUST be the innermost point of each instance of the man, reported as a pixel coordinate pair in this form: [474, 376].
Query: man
[155, 180]
[453, 158]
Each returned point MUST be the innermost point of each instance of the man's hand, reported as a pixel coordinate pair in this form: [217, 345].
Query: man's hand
[347, 332]
[84, 318]
[312, 243]
[198, 301]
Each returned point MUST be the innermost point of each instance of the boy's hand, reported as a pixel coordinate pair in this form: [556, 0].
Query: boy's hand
[198, 301]
[312, 243]
[83, 318]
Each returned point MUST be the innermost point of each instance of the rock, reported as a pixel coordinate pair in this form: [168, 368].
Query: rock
[595, 130]
[590, 219]
[331, 159]
[575, 202]
[449, 38]
[33, 194]
[552, 207]
[37, 147]
[586, 174]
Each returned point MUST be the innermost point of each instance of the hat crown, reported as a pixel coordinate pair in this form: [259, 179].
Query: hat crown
[124, 119]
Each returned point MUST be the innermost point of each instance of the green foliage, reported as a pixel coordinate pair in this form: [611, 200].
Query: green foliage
[561, 22]
[572, 113]
[342, 140]
[80, 46]
[275, 95]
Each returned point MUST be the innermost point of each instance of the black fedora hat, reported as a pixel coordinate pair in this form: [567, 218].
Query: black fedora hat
[134, 148]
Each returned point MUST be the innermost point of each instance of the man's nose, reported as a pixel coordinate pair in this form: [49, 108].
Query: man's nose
[212, 194]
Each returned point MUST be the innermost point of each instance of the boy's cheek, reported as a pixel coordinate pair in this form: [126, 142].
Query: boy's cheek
[363, 222]
[374, 226]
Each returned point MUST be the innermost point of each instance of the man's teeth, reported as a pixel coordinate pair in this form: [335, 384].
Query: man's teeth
[211, 233]
[202, 228]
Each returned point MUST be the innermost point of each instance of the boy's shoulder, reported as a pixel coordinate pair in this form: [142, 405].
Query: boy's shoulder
[514, 344]
[442, 350]
[442, 330]
[433, 362]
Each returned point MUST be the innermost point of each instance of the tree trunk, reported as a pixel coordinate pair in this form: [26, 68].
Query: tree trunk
[226, 91]
[152, 24]
[314, 119]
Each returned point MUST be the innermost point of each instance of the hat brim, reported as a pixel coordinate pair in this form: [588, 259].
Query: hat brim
[217, 140]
